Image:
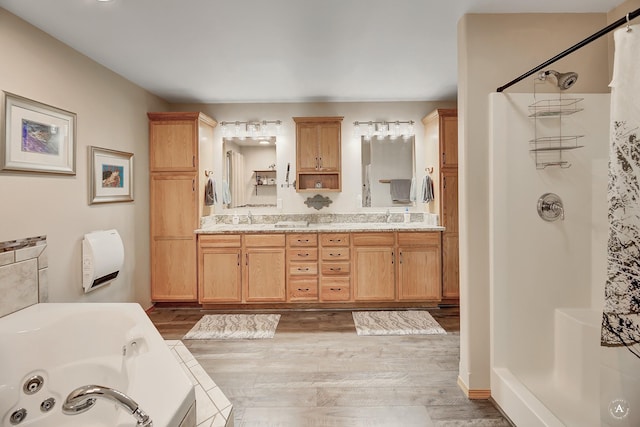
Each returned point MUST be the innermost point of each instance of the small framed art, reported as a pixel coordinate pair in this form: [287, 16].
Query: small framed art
[111, 177]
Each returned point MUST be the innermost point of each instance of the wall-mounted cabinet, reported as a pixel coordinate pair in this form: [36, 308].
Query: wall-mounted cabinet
[318, 153]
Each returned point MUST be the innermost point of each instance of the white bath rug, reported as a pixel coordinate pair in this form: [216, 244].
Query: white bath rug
[234, 326]
[396, 323]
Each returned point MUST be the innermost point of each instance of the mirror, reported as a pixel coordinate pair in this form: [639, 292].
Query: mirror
[249, 172]
[387, 171]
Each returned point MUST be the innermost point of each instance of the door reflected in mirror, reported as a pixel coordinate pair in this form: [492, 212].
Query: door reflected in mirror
[249, 172]
[387, 172]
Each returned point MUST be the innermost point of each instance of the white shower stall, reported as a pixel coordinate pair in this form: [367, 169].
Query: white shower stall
[547, 277]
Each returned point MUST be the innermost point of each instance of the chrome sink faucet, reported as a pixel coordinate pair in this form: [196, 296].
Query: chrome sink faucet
[249, 218]
[388, 216]
[83, 398]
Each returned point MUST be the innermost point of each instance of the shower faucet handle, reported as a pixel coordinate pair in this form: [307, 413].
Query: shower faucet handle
[550, 207]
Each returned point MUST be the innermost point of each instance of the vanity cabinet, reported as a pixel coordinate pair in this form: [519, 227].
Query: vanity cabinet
[318, 153]
[335, 267]
[264, 270]
[220, 268]
[374, 266]
[419, 266]
[236, 268]
[441, 136]
[302, 267]
[179, 144]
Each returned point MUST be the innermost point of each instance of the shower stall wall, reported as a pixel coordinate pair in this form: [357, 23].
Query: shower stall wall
[547, 278]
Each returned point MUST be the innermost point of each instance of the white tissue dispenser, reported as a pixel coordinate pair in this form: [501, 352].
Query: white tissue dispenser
[102, 258]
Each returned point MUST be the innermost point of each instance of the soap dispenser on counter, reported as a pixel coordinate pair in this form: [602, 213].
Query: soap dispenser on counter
[407, 216]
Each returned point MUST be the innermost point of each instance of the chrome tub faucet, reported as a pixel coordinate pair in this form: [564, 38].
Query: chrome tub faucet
[83, 398]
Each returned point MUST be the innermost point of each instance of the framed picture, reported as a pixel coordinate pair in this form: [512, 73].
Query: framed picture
[111, 177]
[37, 137]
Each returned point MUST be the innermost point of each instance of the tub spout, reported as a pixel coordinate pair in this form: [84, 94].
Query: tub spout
[83, 398]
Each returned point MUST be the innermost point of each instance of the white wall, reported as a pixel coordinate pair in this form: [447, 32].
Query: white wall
[111, 113]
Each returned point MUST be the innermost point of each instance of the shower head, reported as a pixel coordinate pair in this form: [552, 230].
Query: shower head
[565, 80]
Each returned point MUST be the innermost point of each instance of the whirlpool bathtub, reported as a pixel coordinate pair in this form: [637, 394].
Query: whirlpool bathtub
[49, 350]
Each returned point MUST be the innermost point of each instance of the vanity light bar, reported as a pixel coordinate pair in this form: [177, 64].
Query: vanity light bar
[383, 129]
[254, 129]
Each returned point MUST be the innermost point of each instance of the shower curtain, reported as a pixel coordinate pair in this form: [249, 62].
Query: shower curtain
[621, 317]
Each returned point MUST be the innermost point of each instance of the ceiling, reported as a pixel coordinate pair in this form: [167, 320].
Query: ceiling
[218, 51]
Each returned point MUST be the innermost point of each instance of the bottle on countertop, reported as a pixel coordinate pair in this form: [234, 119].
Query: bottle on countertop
[407, 215]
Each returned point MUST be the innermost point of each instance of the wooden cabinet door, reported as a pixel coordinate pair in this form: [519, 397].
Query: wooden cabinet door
[307, 147]
[220, 275]
[329, 147]
[264, 278]
[419, 275]
[374, 274]
[173, 145]
[450, 266]
[174, 211]
[173, 269]
[449, 203]
[449, 139]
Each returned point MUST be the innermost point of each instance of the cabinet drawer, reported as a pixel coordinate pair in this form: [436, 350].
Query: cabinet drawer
[261, 240]
[373, 239]
[303, 289]
[303, 268]
[335, 254]
[419, 239]
[335, 289]
[302, 239]
[334, 239]
[304, 254]
[219, 241]
[336, 268]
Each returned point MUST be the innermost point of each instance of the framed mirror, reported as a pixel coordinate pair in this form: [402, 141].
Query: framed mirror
[387, 172]
[249, 172]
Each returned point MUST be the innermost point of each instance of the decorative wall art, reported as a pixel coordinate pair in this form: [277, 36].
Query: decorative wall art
[37, 137]
[111, 178]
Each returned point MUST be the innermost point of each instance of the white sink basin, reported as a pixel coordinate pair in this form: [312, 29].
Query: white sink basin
[292, 224]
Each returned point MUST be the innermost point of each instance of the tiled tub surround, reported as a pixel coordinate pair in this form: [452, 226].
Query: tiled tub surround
[23, 273]
[213, 409]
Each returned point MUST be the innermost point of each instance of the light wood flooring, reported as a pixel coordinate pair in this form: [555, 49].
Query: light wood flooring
[317, 372]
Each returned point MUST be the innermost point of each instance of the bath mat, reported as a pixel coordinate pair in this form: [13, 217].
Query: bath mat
[234, 326]
[396, 323]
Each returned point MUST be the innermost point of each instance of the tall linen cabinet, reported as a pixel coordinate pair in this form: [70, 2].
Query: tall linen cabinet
[180, 151]
[441, 137]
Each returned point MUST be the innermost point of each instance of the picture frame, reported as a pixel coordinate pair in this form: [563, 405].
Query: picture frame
[38, 138]
[111, 178]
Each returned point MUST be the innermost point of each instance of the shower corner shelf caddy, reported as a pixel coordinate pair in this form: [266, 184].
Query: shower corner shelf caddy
[547, 150]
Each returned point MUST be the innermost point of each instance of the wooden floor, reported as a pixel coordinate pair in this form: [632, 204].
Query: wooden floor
[317, 372]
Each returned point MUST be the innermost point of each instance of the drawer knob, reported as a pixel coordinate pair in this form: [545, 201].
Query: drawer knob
[335, 254]
[303, 269]
[336, 269]
[303, 255]
[303, 241]
[303, 290]
[336, 289]
[335, 240]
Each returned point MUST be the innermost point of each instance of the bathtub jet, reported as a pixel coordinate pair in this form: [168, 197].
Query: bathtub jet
[83, 398]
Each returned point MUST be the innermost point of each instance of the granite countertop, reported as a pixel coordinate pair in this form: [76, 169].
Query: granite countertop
[321, 227]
